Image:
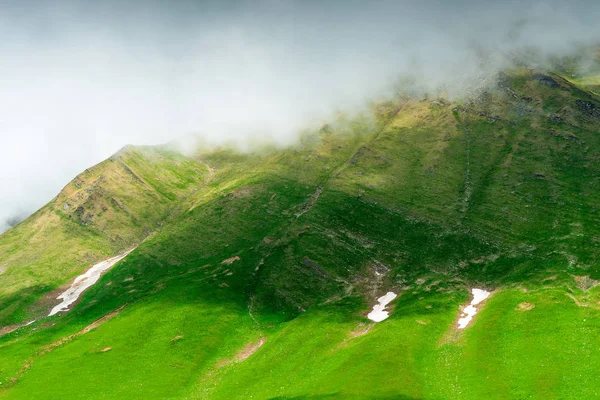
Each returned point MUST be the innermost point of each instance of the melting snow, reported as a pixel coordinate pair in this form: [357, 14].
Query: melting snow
[82, 282]
[469, 312]
[379, 314]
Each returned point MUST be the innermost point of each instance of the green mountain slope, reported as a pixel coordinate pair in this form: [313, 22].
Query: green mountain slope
[254, 273]
[105, 210]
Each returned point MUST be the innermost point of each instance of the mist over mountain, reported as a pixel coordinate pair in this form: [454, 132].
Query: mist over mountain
[80, 79]
[12, 221]
[340, 200]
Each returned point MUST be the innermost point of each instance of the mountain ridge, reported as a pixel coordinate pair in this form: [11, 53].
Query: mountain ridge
[428, 198]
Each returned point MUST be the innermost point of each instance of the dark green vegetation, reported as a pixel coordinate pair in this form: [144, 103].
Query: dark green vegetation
[254, 272]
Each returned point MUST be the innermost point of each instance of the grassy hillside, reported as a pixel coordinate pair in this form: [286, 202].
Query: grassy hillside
[255, 272]
[103, 211]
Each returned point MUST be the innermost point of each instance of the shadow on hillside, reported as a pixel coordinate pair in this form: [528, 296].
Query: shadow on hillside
[25, 304]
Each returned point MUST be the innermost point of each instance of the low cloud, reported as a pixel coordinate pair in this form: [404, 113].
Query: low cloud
[13, 221]
[79, 80]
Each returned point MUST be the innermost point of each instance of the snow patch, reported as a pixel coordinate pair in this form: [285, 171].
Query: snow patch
[379, 314]
[469, 312]
[84, 281]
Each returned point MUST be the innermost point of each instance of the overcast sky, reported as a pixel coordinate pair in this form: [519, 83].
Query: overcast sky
[81, 79]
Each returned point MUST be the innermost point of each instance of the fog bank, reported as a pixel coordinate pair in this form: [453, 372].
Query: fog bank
[80, 79]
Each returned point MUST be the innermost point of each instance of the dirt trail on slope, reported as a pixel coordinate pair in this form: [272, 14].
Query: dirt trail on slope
[311, 202]
[246, 352]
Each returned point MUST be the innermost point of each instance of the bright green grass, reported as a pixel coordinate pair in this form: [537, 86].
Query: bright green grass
[166, 341]
[546, 352]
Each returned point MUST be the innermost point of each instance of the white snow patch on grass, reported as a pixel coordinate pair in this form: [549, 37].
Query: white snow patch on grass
[469, 312]
[379, 314]
[84, 281]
